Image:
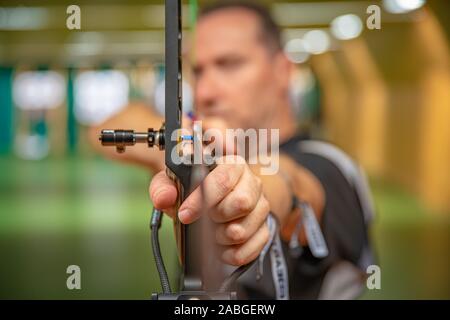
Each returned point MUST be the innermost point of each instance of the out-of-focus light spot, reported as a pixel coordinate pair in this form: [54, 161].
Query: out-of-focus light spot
[99, 95]
[402, 6]
[297, 50]
[23, 18]
[37, 90]
[160, 97]
[346, 27]
[32, 147]
[318, 41]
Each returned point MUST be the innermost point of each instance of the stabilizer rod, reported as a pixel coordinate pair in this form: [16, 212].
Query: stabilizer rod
[123, 138]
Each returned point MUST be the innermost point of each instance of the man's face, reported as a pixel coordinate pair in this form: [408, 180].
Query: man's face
[234, 72]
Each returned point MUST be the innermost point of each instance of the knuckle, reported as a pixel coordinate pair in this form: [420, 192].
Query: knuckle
[223, 181]
[235, 161]
[236, 233]
[243, 203]
[238, 258]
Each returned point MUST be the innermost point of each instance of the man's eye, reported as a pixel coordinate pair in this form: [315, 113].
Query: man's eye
[197, 71]
[230, 64]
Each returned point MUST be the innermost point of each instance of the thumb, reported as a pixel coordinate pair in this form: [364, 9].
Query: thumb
[163, 193]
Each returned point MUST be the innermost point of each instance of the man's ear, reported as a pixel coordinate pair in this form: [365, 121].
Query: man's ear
[283, 69]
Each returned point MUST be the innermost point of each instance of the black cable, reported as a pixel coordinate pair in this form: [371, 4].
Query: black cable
[155, 224]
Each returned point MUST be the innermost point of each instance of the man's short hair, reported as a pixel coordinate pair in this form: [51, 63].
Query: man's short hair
[270, 32]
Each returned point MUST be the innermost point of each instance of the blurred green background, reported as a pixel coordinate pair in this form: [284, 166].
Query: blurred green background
[62, 204]
[87, 212]
[94, 213]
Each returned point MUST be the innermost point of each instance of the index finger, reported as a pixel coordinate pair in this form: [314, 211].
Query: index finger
[216, 186]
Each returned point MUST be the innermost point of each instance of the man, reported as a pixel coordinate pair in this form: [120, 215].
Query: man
[241, 80]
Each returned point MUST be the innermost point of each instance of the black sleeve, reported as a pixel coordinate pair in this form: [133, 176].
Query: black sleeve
[343, 220]
[342, 224]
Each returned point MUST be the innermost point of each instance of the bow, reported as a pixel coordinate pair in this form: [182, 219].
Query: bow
[195, 252]
[187, 177]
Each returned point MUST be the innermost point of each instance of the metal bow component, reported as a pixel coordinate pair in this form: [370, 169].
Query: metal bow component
[188, 237]
[122, 138]
[195, 244]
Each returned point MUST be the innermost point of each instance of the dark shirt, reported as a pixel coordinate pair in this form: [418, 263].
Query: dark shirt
[342, 223]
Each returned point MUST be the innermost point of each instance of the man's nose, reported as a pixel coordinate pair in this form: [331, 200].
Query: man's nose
[206, 91]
